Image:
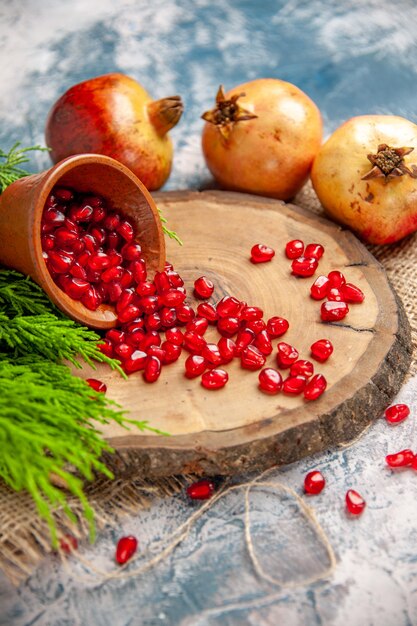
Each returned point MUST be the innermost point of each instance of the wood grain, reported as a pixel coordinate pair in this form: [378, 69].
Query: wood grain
[238, 427]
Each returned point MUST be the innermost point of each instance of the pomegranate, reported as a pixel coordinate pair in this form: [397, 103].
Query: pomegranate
[262, 137]
[115, 116]
[366, 178]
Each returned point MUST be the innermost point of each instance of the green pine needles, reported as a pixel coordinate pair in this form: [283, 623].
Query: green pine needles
[47, 415]
[9, 166]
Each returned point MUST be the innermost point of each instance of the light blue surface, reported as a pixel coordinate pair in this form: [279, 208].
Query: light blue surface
[351, 58]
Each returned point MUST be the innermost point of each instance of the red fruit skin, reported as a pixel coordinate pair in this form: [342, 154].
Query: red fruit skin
[314, 482]
[201, 490]
[354, 502]
[112, 115]
[397, 413]
[126, 548]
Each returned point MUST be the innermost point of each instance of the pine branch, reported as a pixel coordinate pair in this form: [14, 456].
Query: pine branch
[9, 169]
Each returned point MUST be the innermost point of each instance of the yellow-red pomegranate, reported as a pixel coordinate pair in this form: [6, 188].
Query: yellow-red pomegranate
[262, 137]
[115, 116]
[365, 177]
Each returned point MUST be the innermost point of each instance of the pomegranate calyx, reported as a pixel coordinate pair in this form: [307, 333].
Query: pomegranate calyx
[164, 114]
[227, 112]
[389, 163]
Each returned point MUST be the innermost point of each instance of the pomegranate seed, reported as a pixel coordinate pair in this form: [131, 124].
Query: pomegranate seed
[352, 294]
[63, 195]
[126, 280]
[354, 502]
[135, 337]
[294, 385]
[198, 325]
[201, 490]
[145, 289]
[115, 335]
[244, 338]
[149, 304]
[195, 365]
[172, 352]
[97, 385]
[185, 313]
[263, 342]
[126, 548]
[336, 279]
[320, 288]
[132, 327]
[252, 359]
[304, 266]
[135, 362]
[123, 350]
[60, 262]
[152, 369]
[227, 349]
[113, 273]
[48, 242]
[333, 311]
[53, 217]
[294, 249]
[138, 269]
[106, 348]
[193, 342]
[203, 287]
[112, 221]
[228, 307]
[128, 314]
[335, 295]
[98, 214]
[113, 240]
[168, 317]
[302, 367]
[250, 313]
[125, 299]
[212, 354]
[51, 200]
[228, 326]
[81, 213]
[78, 271]
[90, 243]
[76, 288]
[99, 261]
[314, 251]
[157, 351]
[131, 251]
[125, 230]
[174, 335]
[91, 300]
[68, 543]
[71, 226]
[207, 310]
[175, 279]
[397, 413]
[261, 253]
[315, 387]
[277, 326]
[152, 338]
[65, 239]
[286, 355]
[99, 234]
[270, 380]
[214, 379]
[321, 350]
[257, 326]
[314, 482]
[153, 322]
[162, 282]
[400, 459]
[115, 258]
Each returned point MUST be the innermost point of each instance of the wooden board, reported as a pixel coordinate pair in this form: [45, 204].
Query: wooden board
[238, 427]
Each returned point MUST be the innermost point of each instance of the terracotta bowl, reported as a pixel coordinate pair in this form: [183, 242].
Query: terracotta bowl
[22, 205]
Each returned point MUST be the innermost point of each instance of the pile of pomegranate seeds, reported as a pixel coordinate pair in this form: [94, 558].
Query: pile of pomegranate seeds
[339, 294]
[305, 260]
[125, 549]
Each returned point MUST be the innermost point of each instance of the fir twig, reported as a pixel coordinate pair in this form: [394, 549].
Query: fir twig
[9, 169]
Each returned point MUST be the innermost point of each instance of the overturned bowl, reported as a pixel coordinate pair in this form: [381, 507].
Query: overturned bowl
[22, 205]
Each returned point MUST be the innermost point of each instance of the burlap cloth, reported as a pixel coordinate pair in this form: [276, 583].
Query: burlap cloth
[25, 538]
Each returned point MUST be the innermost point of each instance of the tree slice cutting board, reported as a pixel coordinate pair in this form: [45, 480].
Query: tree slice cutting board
[238, 427]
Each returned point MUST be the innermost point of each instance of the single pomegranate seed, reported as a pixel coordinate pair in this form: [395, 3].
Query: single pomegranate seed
[257, 326]
[152, 338]
[138, 269]
[319, 289]
[53, 217]
[304, 266]
[91, 244]
[115, 335]
[270, 380]
[78, 271]
[48, 242]
[83, 213]
[65, 239]
[352, 294]
[294, 385]
[113, 240]
[135, 362]
[277, 326]
[261, 253]
[203, 287]
[98, 214]
[172, 297]
[106, 348]
[123, 350]
[157, 351]
[126, 548]
[315, 387]
[97, 385]
[336, 279]
[112, 221]
[91, 300]
[228, 307]
[335, 295]
[294, 249]
[321, 350]
[127, 280]
[207, 310]
[135, 337]
[198, 325]
[162, 281]
[152, 369]
[76, 288]
[149, 304]
[125, 230]
[397, 413]
[153, 322]
[400, 459]
[228, 326]
[227, 349]
[111, 274]
[63, 195]
[250, 313]
[168, 317]
[99, 234]
[244, 338]
[263, 342]
[302, 368]
[201, 490]
[185, 313]
[193, 342]
[314, 482]
[115, 258]
[286, 355]
[195, 365]
[60, 262]
[175, 279]
[354, 502]
[174, 335]
[128, 314]
[212, 354]
[125, 299]
[314, 251]
[99, 261]
[131, 251]
[146, 289]
[132, 327]
[252, 358]
[68, 543]
[214, 379]
[333, 311]
[172, 352]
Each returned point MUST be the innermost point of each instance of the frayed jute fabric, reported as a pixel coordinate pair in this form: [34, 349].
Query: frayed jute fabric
[25, 538]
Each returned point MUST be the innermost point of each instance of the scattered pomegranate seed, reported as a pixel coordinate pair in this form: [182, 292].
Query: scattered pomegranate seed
[287, 355]
[294, 249]
[251, 313]
[315, 387]
[198, 325]
[261, 253]
[172, 352]
[126, 548]
[257, 326]
[294, 385]
[212, 354]
[135, 362]
[185, 313]
[400, 459]
[314, 251]
[304, 266]
[352, 294]
[336, 279]
[302, 368]
[106, 348]
[397, 413]
[214, 379]
[97, 385]
[263, 342]
[227, 349]
[68, 543]
[207, 310]
[270, 380]
[319, 289]
[314, 482]
[193, 342]
[228, 307]
[228, 326]
[152, 369]
[175, 335]
[203, 287]
[195, 365]
[354, 502]
[333, 311]
[277, 326]
[244, 339]
[251, 358]
[201, 490]
[321, 350]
